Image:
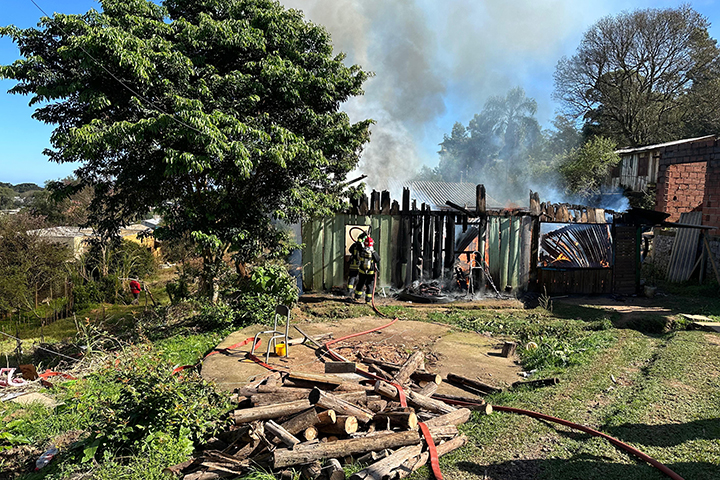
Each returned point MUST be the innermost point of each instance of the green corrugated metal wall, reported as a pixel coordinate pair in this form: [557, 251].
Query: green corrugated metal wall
[504, 251]
[324, 253]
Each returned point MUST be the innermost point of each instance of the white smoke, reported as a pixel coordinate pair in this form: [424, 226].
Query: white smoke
[436, 63]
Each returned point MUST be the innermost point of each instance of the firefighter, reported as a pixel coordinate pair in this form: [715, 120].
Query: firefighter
[355, 249]
[368, 265]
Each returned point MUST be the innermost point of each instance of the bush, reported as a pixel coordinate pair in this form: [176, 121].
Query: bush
[135, 398]
[86, 295]
[256, 296]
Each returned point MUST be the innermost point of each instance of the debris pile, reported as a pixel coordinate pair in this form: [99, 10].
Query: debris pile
[385, 420]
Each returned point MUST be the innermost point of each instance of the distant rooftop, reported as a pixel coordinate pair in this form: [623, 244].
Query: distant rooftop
[66, 232]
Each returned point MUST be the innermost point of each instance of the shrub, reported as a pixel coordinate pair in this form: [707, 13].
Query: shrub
[256, 296]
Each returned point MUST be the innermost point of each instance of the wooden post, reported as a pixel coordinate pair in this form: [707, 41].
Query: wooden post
[476, 384]
[385, 203]
[374, 202]
[480, 201]
[329, 401]
[535, 204]
[413, 363]
[508, 349]
[417, 242]
[427, 243]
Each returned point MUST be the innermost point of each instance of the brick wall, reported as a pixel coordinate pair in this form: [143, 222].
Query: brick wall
[689, 180]
[681, 188]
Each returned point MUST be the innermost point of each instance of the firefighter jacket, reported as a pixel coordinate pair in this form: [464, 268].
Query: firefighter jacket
[369, 261]
[355, 249]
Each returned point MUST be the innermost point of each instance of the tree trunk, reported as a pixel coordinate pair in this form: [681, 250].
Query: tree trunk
[405, 420]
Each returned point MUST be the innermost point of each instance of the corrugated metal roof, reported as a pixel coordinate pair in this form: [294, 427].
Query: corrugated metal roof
[436, 194]
[661, 145]
[62, 231]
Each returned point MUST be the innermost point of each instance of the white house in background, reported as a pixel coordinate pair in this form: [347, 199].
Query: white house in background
[74, 238]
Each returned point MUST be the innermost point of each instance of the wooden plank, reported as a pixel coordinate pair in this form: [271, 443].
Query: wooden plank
[338, 251]
[437, 247]
[427, 243]
[505, 232]
[449, 244]
[317, 249]
[307, 254]
[493, 248]
[515, 244]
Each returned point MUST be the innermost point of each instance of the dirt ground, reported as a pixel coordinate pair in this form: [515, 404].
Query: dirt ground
[469, 354]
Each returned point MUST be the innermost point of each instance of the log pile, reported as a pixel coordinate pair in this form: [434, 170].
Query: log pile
[315, 424]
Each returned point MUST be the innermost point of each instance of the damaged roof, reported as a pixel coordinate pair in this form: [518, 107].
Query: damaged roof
[436, 194]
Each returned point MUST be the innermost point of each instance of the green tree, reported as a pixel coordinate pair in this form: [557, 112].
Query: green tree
[496, 142]
[585, 168]
[31, 268]
[632, 74]
[220, 114]
[7, 197]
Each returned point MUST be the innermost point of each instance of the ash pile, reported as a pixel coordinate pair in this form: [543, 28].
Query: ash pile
[317, 423]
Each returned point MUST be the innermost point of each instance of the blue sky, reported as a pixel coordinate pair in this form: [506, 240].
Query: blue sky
[435, 63]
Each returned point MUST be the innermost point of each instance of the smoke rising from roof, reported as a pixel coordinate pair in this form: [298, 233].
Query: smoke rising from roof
[436, 63]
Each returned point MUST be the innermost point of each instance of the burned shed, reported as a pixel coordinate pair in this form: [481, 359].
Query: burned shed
[476, 246]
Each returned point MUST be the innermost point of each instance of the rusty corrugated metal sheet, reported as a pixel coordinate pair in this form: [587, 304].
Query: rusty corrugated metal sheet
[685, 248]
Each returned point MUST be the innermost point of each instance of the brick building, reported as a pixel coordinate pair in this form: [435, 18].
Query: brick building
[685, 175]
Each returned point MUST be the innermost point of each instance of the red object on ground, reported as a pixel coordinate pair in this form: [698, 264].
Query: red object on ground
[434, 460]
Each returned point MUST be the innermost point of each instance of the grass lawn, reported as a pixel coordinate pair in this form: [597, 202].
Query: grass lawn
[655, 387]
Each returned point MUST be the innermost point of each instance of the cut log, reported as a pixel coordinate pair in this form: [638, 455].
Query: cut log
[372, 457]
[444, 448]
[508, 349]
[382, 469]
[415, 399]
[418, 376]
[300, 422]
[302, 454]
[343, 387]
[345, 425]
[429, 389]
[405, 420]
[427, 377]
[415, 362]
[312, 471]
[270, 411]
[475, 404]
[310, 433]
[456, 417]
[476, 384]
[377, 406]
[339, 367]
[332, 402]
[543, 382]
[333, 470]
[263, 399]
[327, 417]
[316, 378]
[285, 437]
[380, 372]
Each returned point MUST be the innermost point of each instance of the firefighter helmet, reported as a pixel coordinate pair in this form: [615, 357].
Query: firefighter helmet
[368, 242]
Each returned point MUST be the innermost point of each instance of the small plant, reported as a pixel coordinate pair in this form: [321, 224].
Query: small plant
[544, 301]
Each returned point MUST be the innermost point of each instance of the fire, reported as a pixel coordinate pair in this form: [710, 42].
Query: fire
[562, 258]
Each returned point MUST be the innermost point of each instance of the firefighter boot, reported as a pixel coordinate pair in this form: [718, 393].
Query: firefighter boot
[368, 298]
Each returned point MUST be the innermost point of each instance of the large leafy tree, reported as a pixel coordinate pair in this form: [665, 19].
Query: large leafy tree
[632, 74]
[497, 142]
[221, 114]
